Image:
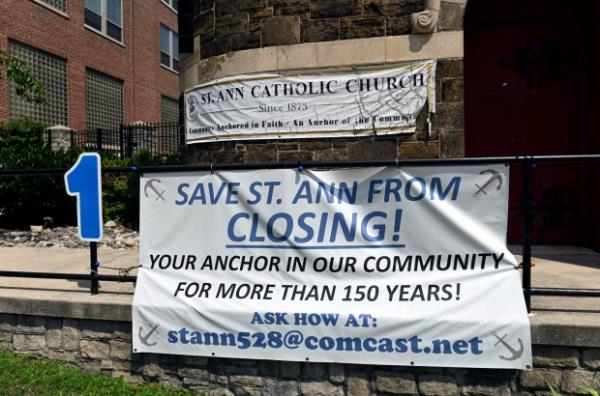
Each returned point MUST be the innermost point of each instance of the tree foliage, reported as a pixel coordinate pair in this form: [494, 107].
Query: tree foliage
[27, 86]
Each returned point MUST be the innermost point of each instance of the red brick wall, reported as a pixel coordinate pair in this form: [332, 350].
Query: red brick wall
[136, 62]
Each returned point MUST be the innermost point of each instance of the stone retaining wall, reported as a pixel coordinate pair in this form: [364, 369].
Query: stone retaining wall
[105, 346]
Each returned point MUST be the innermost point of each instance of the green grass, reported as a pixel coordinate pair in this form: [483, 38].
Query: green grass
[22, 375]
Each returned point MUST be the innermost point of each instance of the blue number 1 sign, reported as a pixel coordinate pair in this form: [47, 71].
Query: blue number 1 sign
[84, 181]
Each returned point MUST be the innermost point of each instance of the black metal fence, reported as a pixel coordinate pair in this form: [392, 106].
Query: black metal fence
[528, 165]
[162, 139]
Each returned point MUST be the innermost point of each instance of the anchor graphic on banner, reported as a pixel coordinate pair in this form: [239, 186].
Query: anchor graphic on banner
[516, 353]
[495, 176]
[144, 338]
[150, 185]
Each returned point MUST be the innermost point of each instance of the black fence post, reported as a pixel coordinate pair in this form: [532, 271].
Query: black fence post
[121, 142]
[129, 142]
[98, 139]
[72, 138]
[182, 142]
[527, 196]
[49, 138]
[94, 284]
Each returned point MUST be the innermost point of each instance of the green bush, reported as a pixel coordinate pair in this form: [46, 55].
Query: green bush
[26, 200]
[120, 198]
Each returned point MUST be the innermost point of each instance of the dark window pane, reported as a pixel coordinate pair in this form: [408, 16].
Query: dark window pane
[113, 31]
[175, 5]
[92, 19]
[165, 59]
[113, 10]
[176, 64]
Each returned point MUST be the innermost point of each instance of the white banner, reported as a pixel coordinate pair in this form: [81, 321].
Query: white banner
[394, 266]
[263, 106]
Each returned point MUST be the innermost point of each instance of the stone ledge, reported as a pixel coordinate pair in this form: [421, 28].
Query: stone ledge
[323, 55]
[114, 311]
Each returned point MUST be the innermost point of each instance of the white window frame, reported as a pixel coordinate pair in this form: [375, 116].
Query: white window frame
[56, 10]
[169, 3]
[171, 57]
[104, 22]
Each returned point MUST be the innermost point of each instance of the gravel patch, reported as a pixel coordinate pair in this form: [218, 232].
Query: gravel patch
[115, 237]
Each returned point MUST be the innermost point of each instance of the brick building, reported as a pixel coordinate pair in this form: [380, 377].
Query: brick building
[103, 62]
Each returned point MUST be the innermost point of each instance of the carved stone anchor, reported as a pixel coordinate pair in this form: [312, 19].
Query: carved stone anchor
[495, 176]
[144, 338]
[516, 353]
[150, 185]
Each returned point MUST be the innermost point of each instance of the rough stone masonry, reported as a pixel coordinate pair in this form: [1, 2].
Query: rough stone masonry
[105, 346]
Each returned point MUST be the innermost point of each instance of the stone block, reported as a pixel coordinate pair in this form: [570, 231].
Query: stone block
[320, 389]
[195, 361]
[70, 335]
[290, 56]
[437, 385]
[452, 90]
[392, 8]
[276, 387]
[94, 349]
[6, 336]
[152, 370]
[246, 380]
[291, 7]
[554, 356]
[281, 30]
[331, 155]
[295, 156]
[290, 370]
[95, 329]
[345, 52]
[369, 149]
[334, 8]
[591, 358]
[261, 152]
[430, 149]
[452, 144]
[204, 22]
[287, 147]
[449, 116]
[395, 383]
[540, 379]
[120, 350]
[451, 16]
[361, 28]
[320, 30]
[226, 7]
[450, 68]
[245, 41]
[194, 376]
[54, 338]
[259, 14]
[357, 384]
[29, 342]
[398, 26]
[220, 392]
[214, 48]
[337, 373]
[576, 381]
[309, 145]
[231, 24]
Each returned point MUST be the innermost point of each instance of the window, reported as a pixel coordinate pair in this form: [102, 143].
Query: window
[169, 110]
[169, 48]
[174, 4]
[105, 16]
[60, 5]
[103, 100]
[52, 72]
